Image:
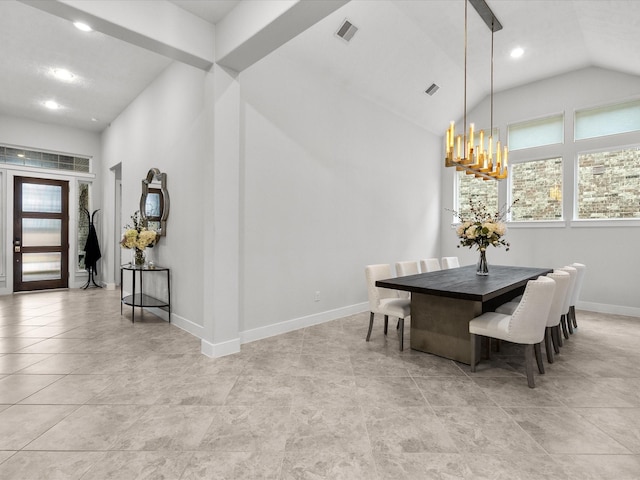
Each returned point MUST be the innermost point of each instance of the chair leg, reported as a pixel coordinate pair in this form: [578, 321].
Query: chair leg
[548, 344]
[370, 326]
[555, 338]
[569, 322]
[528, 364]
[398, 324]
[563, 322]
[475, 349]
[558, 337]
[537, 348]
[386, 323]
[401, 332]
[572, 310]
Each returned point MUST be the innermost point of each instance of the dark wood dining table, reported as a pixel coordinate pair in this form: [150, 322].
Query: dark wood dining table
[443, 303]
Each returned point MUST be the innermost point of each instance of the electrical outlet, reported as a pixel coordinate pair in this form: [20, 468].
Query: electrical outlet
[317, 299]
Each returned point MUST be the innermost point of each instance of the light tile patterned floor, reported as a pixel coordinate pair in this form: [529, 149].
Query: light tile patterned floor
[85, 394]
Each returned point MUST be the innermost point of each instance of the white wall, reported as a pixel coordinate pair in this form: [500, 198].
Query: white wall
[29, 134]
[331, 183]
[168, 127]
[613, 268]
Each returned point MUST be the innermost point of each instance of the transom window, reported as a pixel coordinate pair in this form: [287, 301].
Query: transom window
[536, 133]
[608, 120]
[33, 158]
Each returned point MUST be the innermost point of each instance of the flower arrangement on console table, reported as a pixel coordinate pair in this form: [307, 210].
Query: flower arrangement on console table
[138, 237]
[481, 229]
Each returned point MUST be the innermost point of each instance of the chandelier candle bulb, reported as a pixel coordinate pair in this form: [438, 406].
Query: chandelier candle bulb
[446, 145]
[452, 129]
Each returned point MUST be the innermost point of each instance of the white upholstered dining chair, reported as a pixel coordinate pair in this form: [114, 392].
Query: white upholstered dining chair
[406, 268]
[581, 269]
[564, 319]
[525, 326]
[385, 301]
[450, 262]
[552, 330]
[429, 265]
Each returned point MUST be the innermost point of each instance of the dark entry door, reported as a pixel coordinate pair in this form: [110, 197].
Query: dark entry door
[40, 234]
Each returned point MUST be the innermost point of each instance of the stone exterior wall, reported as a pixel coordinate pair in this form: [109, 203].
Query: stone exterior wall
[609, 184]
[480, 191]
[538, 187]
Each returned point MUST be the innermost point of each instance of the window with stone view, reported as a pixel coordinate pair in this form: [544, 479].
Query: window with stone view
[538, 187]
[608, 184]
[478, 190]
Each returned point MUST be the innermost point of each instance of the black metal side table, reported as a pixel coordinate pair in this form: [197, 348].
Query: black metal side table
[138, 298]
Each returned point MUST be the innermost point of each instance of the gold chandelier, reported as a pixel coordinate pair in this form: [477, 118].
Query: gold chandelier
[462, 151]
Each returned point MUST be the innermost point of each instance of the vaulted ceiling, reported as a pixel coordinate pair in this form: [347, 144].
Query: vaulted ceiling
[401, 47]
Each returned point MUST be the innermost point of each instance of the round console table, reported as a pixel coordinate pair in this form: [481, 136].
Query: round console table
[138, 298]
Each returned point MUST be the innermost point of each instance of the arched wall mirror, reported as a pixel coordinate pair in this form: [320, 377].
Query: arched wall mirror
[154, 202]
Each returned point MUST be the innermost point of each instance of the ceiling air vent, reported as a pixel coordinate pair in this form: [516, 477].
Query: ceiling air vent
[432, 89]
[347, 30]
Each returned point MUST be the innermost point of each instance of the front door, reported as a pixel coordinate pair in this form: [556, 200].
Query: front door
[40, 234]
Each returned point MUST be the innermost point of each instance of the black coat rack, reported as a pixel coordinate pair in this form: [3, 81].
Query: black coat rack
[91, 251]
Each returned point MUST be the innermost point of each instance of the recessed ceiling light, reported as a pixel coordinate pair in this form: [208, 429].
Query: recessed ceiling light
[52, 105]
[517, 52]
[21, 155]
[94, 119]
[82, 26]
[63, 74]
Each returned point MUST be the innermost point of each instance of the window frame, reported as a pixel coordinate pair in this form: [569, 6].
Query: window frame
[456, 197]
[603, 137]
[539, 119]
[598, 222]
[559, 222]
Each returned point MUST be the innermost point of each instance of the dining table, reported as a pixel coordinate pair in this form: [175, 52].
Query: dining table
[445, 301]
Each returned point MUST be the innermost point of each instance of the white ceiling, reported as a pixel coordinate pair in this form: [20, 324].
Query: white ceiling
[211, 11]
[402, 46]
[110, 73]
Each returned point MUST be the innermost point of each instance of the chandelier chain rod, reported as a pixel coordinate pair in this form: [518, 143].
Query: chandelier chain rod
[491, 131]
[466, 4]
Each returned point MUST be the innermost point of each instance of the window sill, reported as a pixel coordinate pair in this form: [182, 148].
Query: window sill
[606, 223]
[538, 224]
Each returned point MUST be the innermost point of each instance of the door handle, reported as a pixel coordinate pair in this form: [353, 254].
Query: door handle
[16, 246]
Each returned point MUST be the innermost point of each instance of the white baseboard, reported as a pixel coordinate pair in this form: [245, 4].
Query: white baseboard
[184, 324]
[611, 309]
[220, 349]
[302, 322]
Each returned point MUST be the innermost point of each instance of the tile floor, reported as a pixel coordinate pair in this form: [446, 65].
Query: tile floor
[85, 394]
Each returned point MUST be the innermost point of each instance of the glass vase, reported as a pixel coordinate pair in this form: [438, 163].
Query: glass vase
[482, 267]
[138, 258]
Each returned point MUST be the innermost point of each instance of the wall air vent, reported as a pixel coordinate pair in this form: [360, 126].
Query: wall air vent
[432, 89]
[346, 31]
